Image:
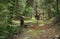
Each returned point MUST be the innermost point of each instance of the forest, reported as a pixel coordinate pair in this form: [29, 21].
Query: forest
[29, 19]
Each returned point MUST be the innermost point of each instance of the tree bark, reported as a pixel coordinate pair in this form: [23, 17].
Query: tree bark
[57, 1]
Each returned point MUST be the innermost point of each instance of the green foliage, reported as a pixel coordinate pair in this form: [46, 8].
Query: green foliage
[30, 2]
[6, 30]
[6, 14]
[28, 12]
[14, 8]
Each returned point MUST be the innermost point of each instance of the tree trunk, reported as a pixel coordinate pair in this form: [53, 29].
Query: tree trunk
[49, 12]
[57, 6]
[22, 21]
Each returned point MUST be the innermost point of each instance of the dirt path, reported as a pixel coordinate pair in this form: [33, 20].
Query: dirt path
[38, 32]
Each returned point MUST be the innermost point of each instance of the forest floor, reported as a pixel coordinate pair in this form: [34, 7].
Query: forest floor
[47, 31]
